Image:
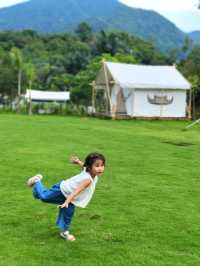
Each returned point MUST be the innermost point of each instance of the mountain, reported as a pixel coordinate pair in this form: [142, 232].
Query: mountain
[65, 15]
[195, 37]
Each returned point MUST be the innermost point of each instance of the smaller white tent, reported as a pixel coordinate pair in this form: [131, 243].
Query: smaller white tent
[46, 96]
[142, 91]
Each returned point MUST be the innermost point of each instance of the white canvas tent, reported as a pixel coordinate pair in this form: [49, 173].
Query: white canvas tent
[47, 96]
[142, 91]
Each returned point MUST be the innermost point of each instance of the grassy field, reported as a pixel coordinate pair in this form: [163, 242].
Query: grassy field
[146, 209]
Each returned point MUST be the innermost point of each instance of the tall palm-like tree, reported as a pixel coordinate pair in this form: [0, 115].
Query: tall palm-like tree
[195, 81]
[17, 61]
[30, 72]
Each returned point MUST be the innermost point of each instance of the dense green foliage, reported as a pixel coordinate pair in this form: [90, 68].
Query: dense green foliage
[195, 36]
[146, 208]
[67, 61]
[191, 69]
[109, 15]
[70, 61]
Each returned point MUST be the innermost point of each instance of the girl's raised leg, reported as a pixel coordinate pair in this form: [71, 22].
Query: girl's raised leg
[52, 195]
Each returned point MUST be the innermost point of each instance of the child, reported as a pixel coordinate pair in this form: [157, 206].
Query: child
[75, 191]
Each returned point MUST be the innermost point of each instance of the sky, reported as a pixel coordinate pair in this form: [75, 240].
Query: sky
[183, 13]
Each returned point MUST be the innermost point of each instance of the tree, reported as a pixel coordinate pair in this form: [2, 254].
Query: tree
[61, 82]
[7, 81]
[1, 55]
[30, 72]
[17, 61]
[120, 42]
[84, 32]
[187, 44]
[77, 56]
[195, 82]
[190, 67]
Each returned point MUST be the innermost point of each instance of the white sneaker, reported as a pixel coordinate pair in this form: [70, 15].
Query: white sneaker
[31, 181]
[67, 236]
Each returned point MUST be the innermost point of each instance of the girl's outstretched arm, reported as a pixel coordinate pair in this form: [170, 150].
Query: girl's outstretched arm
[76, 160]
[80, 188]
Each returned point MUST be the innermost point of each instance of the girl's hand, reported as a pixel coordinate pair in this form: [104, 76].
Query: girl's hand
[75, 160]
[64, 205]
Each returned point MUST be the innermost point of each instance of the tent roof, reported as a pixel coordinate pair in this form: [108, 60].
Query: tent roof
[47, 95]
[144, 76]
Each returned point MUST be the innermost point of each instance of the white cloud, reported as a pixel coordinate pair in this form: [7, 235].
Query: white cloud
[164, 6]
[4, 3]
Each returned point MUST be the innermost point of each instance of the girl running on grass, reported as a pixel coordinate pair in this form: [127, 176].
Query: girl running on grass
[75, 191]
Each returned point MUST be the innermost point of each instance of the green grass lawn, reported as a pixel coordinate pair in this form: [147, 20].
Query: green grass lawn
[145, 211]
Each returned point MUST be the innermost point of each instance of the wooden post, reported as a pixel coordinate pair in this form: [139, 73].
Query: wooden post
[133, 103]
[194, 123]
[93, 96]
[161, 106]
[193, 105]
[19, 90]
[30, 103]
[106, 105]
[190, 104]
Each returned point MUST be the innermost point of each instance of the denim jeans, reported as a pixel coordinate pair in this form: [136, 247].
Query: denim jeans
[55, 196]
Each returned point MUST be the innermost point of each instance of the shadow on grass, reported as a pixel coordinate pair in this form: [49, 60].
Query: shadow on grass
[178, 143]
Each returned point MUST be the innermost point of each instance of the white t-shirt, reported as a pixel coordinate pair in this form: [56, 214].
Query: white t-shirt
[69, 185]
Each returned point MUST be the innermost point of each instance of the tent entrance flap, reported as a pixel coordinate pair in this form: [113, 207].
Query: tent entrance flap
[121, 107]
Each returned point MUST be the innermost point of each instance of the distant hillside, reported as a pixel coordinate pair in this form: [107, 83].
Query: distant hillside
[195, 36]
[65, 15]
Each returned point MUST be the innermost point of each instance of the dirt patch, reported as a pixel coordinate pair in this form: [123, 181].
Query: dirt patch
[95, 217]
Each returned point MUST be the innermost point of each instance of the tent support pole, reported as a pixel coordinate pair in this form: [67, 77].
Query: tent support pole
[93, 96]
[114, 106]
[106, 105]
[190, 105]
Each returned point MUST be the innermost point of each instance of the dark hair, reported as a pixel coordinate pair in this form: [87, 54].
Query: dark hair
[91, 158]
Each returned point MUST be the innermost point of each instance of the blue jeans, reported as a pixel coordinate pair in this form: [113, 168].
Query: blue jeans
[55, 196]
